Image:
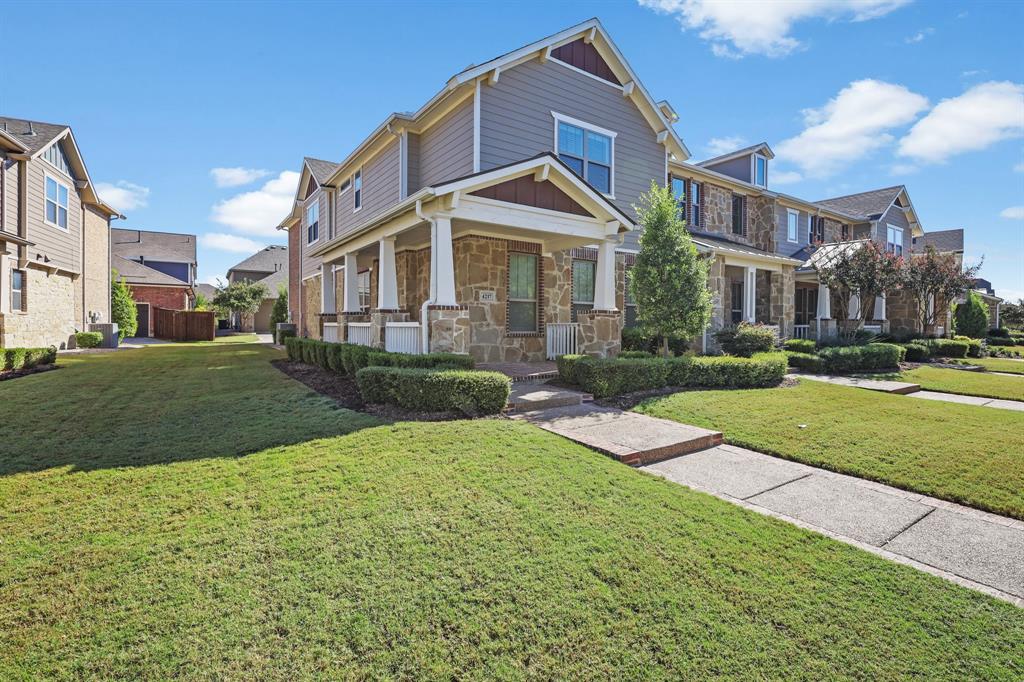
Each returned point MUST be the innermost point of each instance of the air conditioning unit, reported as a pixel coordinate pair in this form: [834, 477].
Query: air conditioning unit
[110, 333]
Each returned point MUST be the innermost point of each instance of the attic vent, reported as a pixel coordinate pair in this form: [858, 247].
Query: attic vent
[4, 124]
[31, 130]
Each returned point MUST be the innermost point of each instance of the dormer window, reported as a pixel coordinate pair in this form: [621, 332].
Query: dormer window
[760, 171]
[588, 150]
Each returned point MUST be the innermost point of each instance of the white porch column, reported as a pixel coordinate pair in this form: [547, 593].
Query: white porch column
[854, 306]
[997, 314]
[327, 289]
[750, 295]
[387, 278]
[879, 307]
[604, 277]
[442, 278]
[824, 302]
[351, 284]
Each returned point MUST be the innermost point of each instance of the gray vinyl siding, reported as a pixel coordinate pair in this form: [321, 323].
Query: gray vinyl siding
[63, 248]
[897, 218]
[734, 168]
[10, 199]
[412, 163]
[380, 190]
[446, 148]
[310, 265]
[783, 245]
[516, 123]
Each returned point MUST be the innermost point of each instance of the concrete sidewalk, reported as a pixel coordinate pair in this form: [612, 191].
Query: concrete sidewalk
[912, 391]
[1015, 405]
[975, 549]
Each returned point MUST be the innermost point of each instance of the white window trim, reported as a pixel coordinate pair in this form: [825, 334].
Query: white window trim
[66, 208]
[305, 215]
[899, 231]
[362, 187]
[796, 238]
[753, 170]
[562, 118]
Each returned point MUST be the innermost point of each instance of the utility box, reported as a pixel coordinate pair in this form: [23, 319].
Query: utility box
[110, 331]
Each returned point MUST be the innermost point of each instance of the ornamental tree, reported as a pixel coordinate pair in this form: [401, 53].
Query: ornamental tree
[122, 307]
[862, 270]
[243, 297]
[669, 280]
[934, 277]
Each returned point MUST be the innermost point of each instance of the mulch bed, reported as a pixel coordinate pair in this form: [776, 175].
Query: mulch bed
[18, 373]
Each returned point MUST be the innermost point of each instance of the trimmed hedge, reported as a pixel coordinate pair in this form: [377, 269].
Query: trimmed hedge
[605, 377]
[1004, 341]
[27, 358]
[634, 354]
[471, 392]
[759, 371]
[88, 339]
[747, 339]
[283, 335]
[918, 352]
[948, 348]
[349, 358]
[567, 367]
[379, 358]
[973, 345]
[800, 345]
[805, 361]
[839, 359]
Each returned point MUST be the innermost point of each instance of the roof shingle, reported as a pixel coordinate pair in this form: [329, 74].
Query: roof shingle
[943, 241]
[43, 133]
[147, 245]
[867, 205]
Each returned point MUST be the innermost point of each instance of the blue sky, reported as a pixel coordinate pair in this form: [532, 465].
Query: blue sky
[852, 96]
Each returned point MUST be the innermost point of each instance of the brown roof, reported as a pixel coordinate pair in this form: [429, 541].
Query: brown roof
[268, 259]
[137, 273]
[866, 205]
[943, 241]
[41, 135]
[320, 169]
[160, 246]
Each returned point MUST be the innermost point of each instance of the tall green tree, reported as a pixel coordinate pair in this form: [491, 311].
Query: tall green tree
[970, 318]
[122, 307]
[243, 297]
[279, 313]
[669, 280]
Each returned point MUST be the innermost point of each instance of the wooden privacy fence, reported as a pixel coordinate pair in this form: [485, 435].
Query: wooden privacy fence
[184, 325]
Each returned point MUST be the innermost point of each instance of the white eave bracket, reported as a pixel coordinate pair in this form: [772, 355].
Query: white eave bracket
[541, 174]
[627, 89]
[589, 37]
[492, 78]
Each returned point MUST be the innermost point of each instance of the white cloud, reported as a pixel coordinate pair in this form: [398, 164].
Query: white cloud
[919, 36]
[717, 146]
[785, 177]
[123, 195]
[229, 242]
[258, 212]
[982, 116]
[237, 176]
[903, 169]
[1012, 213]
[850, 125]
[736, 28]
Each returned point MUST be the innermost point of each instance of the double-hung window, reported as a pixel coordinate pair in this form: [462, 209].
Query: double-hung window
[56, 203]
[583, 273]
[522, 292]
[739, 215]
[695, 203]
[588, 150]
[679, 192]
[313, 222]
[760, 171]
[357, 194]
[817, 230]
[363, 286]
[18, 290]
[792, 225]
[894, 240]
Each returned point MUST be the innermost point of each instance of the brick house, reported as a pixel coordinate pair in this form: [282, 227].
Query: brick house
[159, 267]
[54, 237]
[497, 219]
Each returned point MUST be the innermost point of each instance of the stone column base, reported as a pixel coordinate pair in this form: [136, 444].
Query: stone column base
[379, 319]
[449, 329]
[344, 319]
[600, 333]
[826, 328]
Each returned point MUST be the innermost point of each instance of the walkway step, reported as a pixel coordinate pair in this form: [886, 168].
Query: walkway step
[882, 385]
[530, 397]
[631, 438]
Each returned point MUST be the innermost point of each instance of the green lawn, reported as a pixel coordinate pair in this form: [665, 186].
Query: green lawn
[187, 511]
[965, 383]
[1009, 365]
[962, 453]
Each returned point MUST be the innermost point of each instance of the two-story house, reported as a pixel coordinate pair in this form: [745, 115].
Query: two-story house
[269, 267]
[160, 269]
[54, 237]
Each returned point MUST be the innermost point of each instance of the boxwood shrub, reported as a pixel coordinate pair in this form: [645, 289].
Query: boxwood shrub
[805, 361]
[379, 358]
[605, 377]
[567, 367]
[634, 354]
[873, 356]
[800, 345]
[763, 369]
[973, 345]
[27, 358]
[917, 352]
[948, 348]
[471, 392]
[88, 339]
[747, 339]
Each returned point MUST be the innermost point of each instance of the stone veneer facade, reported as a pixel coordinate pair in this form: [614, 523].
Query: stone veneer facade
[51, 312]
[310, 311]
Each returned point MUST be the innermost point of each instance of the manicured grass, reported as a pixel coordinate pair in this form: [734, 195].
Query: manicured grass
[166, 542]
[965, 383]
[963, 453]
[1008, 365]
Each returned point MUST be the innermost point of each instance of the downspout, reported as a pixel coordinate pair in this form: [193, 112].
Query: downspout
[424, 322]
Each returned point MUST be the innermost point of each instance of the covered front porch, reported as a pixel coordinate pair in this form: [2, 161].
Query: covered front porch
[815, 304]
[484, 266]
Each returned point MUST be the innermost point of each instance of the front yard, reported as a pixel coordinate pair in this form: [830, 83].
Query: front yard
[1008, 365]
[973, 455]
[190, 511]
[960, 381]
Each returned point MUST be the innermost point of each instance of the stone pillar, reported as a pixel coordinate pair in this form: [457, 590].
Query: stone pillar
[783, 301]
[604, 277]
[442, 263]
[378, 324]
[449, 328]
[750, 295]
[600, 333]
[351, 289]
[879, 313]
[327, 289]
[387, 280]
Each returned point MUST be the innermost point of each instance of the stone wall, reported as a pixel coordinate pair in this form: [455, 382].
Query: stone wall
[761, 223]
[717, 210]
[718, 282]
[95, 279]
[413, 272]
[295, 278]
[901, 311]
[833, 230]
[763, 297]
[49, 317]
[600, 333]
[783, 300]
[450, 329]
[310, 311]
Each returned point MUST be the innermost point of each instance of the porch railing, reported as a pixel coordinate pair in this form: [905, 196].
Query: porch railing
[331, 332]
[801, 331]
[402, 337]
[359, 333]
[562, 339]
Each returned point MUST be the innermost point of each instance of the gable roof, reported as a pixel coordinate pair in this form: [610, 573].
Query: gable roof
[320, 170]
[707, 241]
[137, 273]
[275, 280]
[268, 259]
[159, 246]
[868, 205]
[943, 241]
[760, 148]
[207, 290]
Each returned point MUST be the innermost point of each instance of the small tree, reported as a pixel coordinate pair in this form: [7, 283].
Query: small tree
[279, 313]
[970, 318]
[863, 270]
[242, 297]
[122, 307]
[669, 281]
[936, 278]
[201, 302]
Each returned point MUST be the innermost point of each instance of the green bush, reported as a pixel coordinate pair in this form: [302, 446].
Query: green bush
[88, 339]
[1001, 332]
[123, 311]
[800, 345]
[917, 352]
[634, 339]
[948, 348]
[379, 358]
[283, 335]
[973, 345]
[763, 369]
[970, 318]
[634, 354]
[335, 363]
[805, 361]
[840, 359]
[293, 347]
[747, 339]
[604, 377]
[1004, 341]
[567, 367]
[355, 358]
[435, 390]
[27, 358]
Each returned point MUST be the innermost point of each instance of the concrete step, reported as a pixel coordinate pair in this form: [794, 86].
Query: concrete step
[532, 396]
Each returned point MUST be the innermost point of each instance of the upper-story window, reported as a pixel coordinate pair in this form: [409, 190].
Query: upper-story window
[313, 222]
[817, 230]
[739, 214]
[760, 170]
[588, 150]
[357, 194]
[894, 240]
[695, 203]
[56, 204]
[792, 225]
[679, 192]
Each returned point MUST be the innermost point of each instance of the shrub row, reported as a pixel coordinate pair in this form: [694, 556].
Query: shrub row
[88, 339]
[605, 377]
[1004, 341]
[800, 345]
[349, 358]
[839, 359]
[27, 358]
[805, 361]
[948, 348]
[435, 390]
[378, 358]
[634, 339]
[917, 352]
[973, 345]
[747, 339]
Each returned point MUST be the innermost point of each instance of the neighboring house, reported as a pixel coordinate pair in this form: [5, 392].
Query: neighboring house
[498, 219]
[269, 266]
[984, 285]
[208, 291]
[159, 267]
[54, 237]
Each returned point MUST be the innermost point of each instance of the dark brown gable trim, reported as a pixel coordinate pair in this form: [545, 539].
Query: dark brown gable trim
[528, 192]
[585, 57]
[310, 187]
